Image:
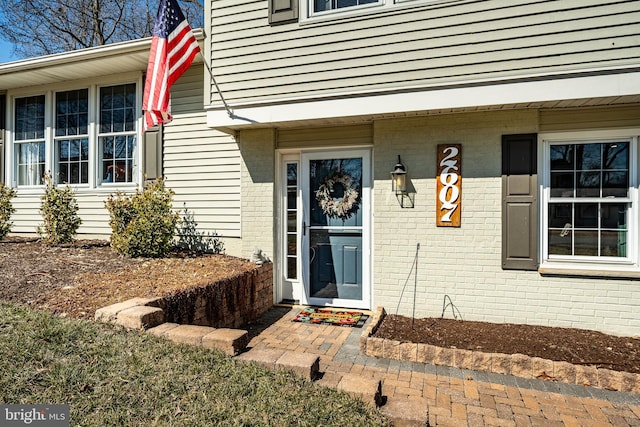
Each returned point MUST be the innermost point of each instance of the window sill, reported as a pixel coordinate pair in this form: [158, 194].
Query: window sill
[621, 273]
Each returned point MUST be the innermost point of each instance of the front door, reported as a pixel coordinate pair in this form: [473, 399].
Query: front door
[335, 228]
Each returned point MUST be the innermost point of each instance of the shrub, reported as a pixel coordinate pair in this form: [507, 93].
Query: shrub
[143, 225]
[59, 210]
[197, 242]
[6, 209]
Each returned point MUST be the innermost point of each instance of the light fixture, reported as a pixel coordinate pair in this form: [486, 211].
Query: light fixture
[399, 177]
[399, 181]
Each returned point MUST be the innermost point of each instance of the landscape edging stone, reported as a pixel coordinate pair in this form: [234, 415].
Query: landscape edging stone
[519, 365]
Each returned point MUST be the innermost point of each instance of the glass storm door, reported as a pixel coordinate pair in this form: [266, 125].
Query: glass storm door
[335, 229]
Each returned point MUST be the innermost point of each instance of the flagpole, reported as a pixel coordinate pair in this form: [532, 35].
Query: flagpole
[226, 106]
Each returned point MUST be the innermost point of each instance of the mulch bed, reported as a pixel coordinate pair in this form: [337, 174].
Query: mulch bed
[576, 346]
[75, 280]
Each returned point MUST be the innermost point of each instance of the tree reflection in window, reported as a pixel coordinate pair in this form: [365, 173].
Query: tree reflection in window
[588, 206]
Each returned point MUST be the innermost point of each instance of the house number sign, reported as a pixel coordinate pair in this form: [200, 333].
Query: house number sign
[449, 185]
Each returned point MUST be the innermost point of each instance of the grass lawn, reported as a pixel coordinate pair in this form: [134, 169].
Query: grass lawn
[109, 376]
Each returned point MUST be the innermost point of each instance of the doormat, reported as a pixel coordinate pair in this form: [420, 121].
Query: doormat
[327, 316]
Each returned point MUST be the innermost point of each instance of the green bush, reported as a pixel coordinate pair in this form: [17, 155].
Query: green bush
[143, 225]
[59, 210]
[194, 241]
[6, 209]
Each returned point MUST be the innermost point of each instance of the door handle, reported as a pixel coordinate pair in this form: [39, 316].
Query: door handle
[304, 228]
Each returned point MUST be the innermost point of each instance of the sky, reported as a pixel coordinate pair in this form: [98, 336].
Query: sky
[5, 52]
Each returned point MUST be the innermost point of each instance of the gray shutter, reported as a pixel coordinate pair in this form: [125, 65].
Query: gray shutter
[3, 127]
[281, 11]
[519, 202]
[152, 153]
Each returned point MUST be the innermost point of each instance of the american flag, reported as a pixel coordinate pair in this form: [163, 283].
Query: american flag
[173, 49]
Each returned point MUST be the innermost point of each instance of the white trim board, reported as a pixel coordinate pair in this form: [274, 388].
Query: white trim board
[437, 98]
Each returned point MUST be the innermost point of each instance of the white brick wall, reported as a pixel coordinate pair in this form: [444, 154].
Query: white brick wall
[464, 264]
[257, 190]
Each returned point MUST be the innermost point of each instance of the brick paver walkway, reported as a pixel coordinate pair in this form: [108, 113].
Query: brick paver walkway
[446, 396]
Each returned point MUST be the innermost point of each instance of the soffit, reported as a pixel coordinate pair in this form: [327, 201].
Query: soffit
[80, 64]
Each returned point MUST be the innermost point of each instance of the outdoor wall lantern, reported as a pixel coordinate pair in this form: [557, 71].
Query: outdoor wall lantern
[399, 181]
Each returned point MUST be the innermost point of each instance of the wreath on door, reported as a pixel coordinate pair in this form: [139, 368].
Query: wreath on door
[338, 196]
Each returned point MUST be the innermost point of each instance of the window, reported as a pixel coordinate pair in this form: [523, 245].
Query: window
[292, 221]
[72, 137]
[30, 139]
[284, 11]
[312, 10]
[324, 5]
[590, 200]
[85, 136]
[117, 135]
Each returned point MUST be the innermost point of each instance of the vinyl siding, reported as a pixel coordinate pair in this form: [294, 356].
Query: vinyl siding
[95, 218]
[325, 136]
[589, 118]
[201, 165]
[414, 45]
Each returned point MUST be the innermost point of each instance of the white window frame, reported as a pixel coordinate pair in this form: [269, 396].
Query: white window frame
[51, 162]
[307, 15]
[346, 10]
[135, 155]
[58, 139]
[294, 285]
[576, 263]
[16, 144]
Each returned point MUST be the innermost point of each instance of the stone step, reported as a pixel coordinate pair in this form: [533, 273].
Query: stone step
[367, 389]
[162, 329]
[140, 317]
[131, 314]
[229, 341]
[405, 412]
[265, 357]
[110, 312]
[136, 314]
[306, 365]
[188, 334]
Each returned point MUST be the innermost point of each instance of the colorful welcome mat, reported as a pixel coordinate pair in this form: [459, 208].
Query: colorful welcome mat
[327, 316]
